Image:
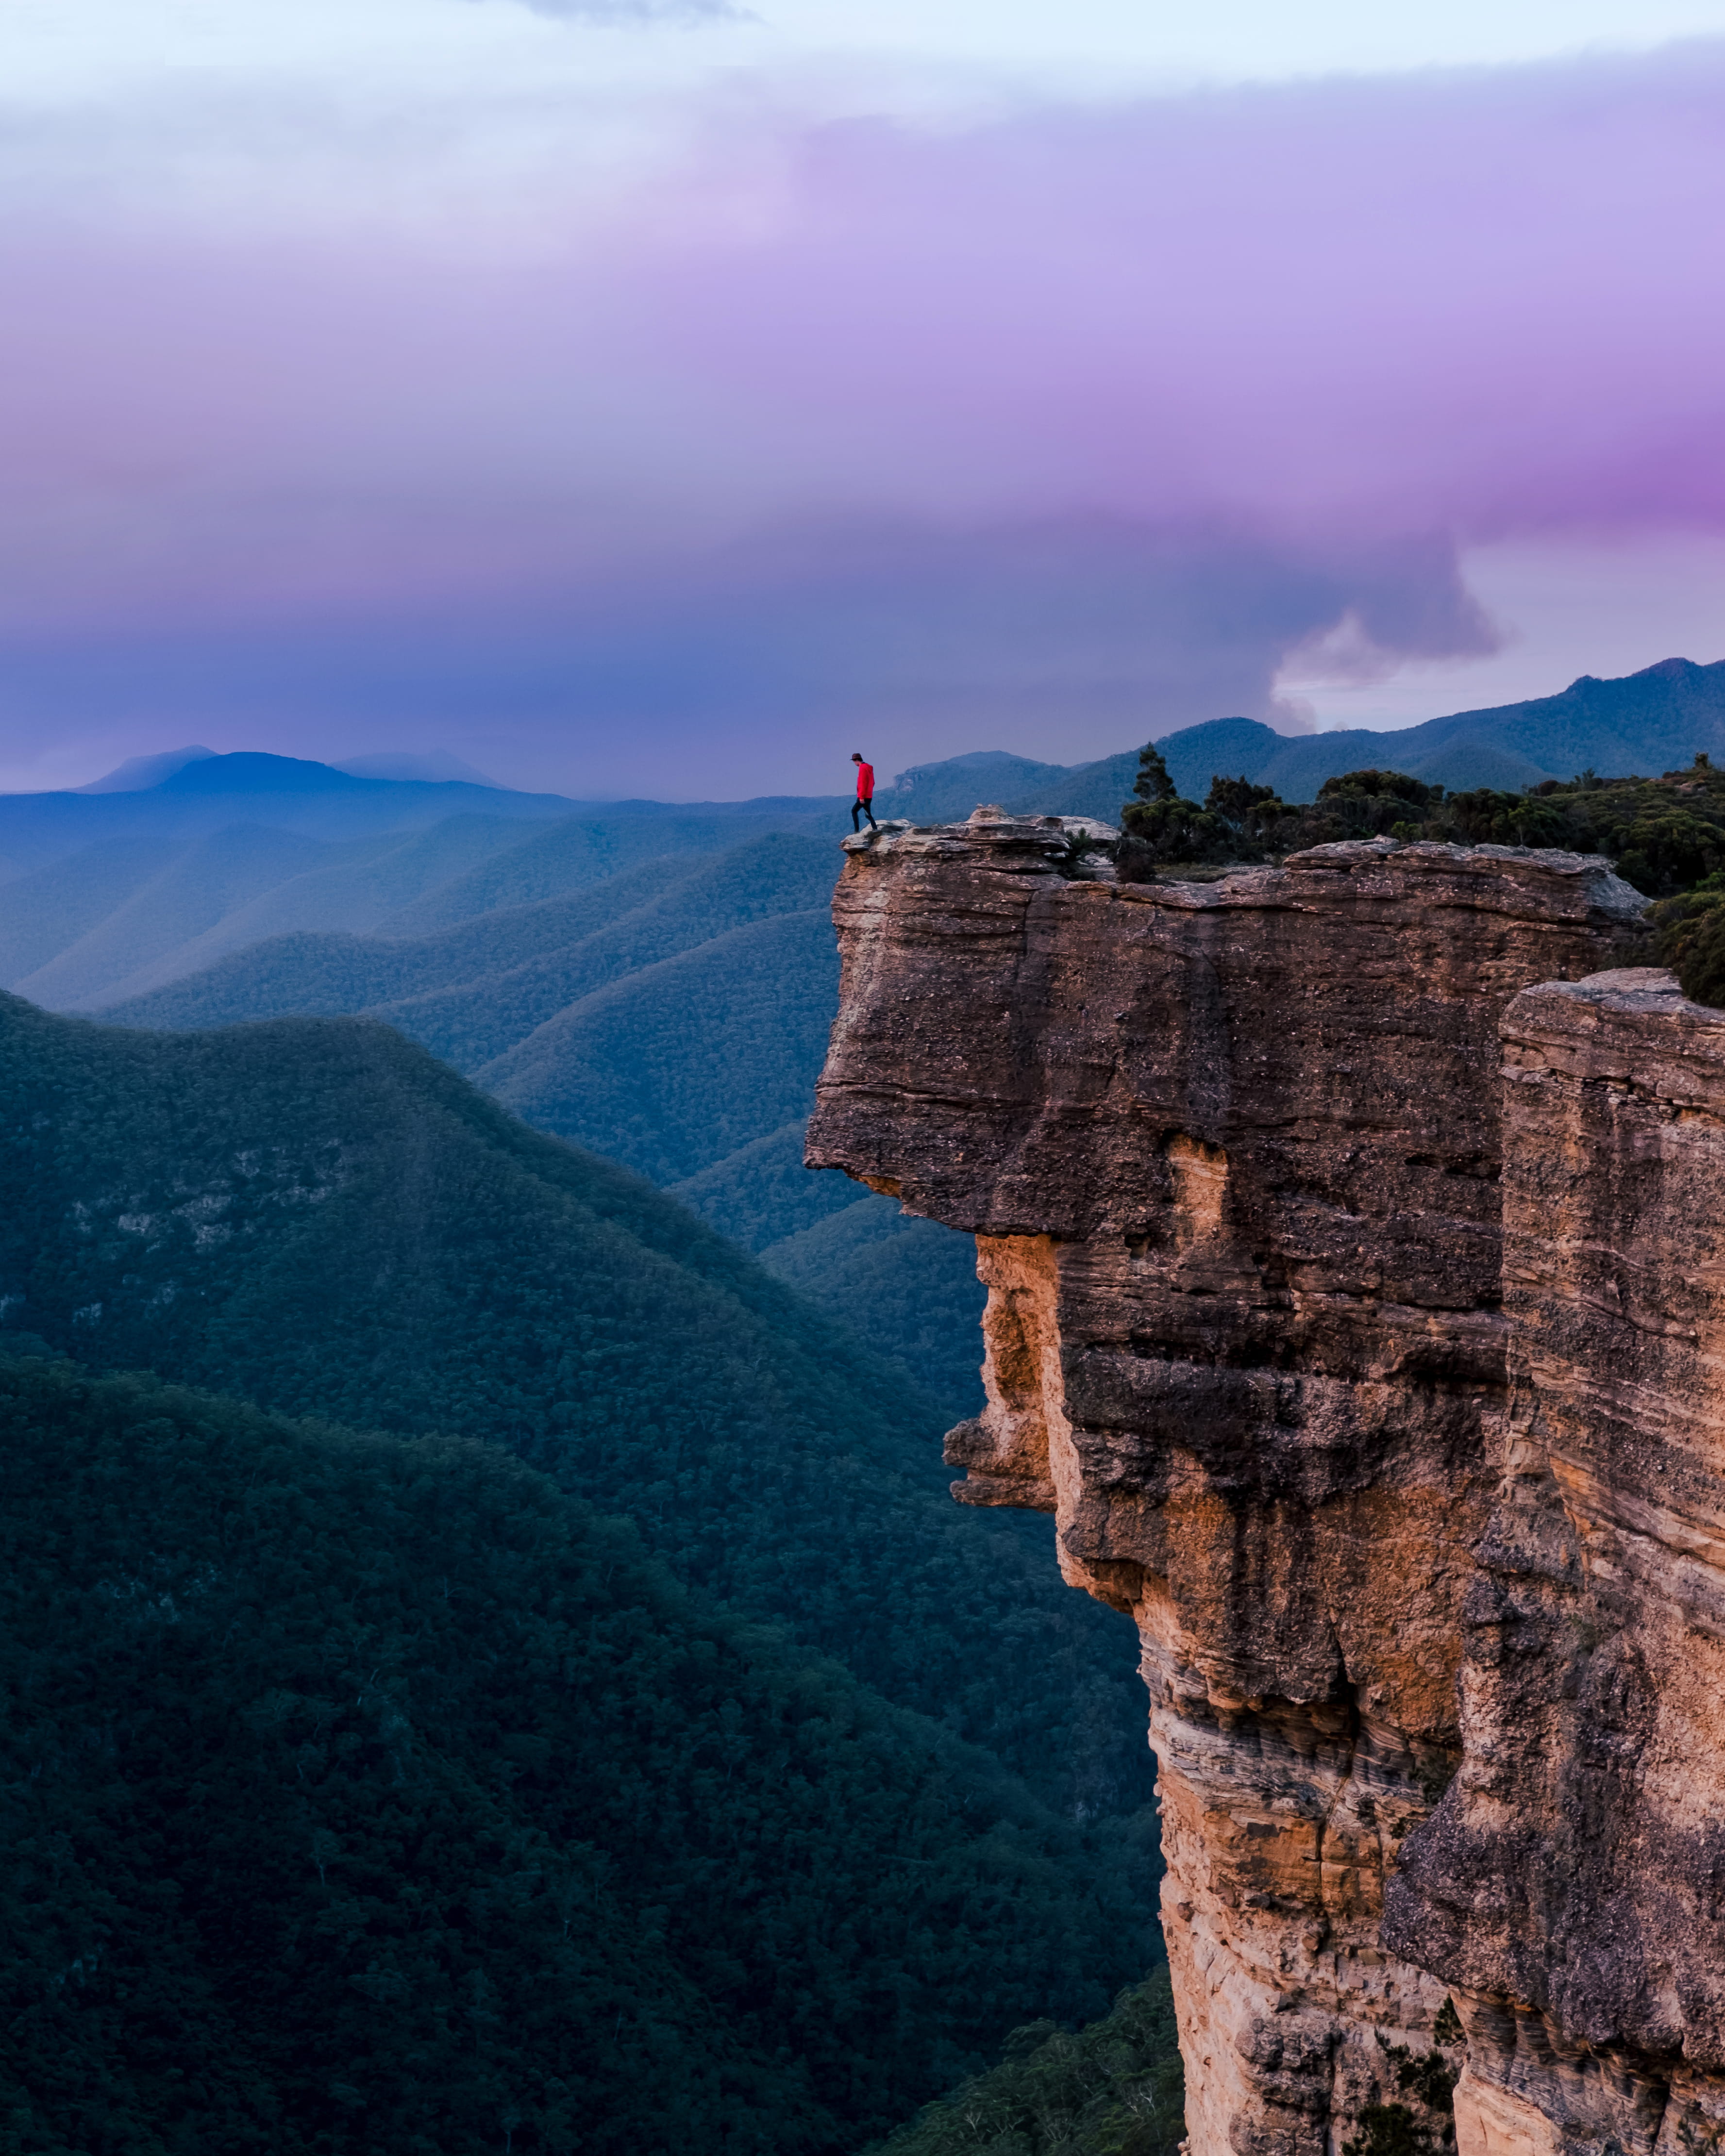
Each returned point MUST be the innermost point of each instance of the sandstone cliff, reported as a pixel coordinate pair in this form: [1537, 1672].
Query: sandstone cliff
[1573, 1888]
[1241, 1164]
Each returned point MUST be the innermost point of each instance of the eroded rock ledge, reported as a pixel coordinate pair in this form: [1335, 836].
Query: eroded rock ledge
[1379, 1387]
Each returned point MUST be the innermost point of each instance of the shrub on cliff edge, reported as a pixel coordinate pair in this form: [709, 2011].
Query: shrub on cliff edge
[1691, 939]
[1665, 836]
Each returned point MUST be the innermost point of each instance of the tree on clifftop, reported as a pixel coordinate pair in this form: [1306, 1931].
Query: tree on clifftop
[1152, 783]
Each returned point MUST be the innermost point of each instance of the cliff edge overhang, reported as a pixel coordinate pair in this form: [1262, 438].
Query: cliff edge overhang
[1276, 1292]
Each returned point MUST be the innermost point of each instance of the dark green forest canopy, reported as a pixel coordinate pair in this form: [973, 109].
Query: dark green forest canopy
[366, 1793]
[680, 1063]
[893, 1278]
[1116, 2088]
[314, 1214]
[1663, 835]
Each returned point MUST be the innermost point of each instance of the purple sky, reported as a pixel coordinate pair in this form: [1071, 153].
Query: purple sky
[1044, 427]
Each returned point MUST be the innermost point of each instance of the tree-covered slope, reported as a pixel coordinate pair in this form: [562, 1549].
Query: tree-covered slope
[1656, 720]
[762, 1192]
[1116, 2088]
[363, 1793]
[315, 1214]
[361, 888]
[906, 1288]
[330, 976]
[667, 1017]
[539, 846]
[675, 1066]
[45, 910]
[579, 850]
[474, 991]
[499, 1005]
[113, 919]
[170, 906]
[633, 1017]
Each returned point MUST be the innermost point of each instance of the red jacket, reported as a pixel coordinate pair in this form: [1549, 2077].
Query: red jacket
[865, 781]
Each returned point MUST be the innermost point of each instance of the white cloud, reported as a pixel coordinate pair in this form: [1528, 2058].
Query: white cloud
[1563, 605]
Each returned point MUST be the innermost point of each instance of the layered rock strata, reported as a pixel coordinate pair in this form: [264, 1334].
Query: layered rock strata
[1231, 1151]
[1572, 1885]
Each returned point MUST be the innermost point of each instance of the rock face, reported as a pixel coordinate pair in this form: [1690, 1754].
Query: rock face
[1573, 1887]
[1231, 1153]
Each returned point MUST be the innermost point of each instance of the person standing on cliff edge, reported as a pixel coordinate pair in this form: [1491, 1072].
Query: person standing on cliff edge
[864, 805]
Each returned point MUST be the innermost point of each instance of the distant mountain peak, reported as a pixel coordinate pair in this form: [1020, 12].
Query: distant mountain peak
[255, 771]
[1661, 670]
[138, 774]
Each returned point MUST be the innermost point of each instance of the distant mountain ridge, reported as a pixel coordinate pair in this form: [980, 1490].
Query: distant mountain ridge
[202, 793]
[138, 774]
[1649, 723]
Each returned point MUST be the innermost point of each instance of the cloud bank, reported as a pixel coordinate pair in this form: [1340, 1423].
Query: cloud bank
[1045, 432]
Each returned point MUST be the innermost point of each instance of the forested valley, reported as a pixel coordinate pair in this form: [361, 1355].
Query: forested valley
[372, 1792]
[643, 1679]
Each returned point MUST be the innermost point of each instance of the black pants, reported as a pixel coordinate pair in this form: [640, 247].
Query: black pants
[863, 806]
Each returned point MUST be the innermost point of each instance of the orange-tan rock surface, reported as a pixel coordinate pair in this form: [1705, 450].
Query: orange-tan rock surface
[1573, 1888]
[1231, 1151]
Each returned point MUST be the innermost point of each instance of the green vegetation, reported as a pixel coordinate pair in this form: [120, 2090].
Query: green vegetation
[474, 989]
[762, 1192]
[126, 917]
[669, 1017]
[315, 1215]
[679, 1065]
[1663, 835]
[1647, 721]
[906, 1288]
[116, 894]
[1241, 821]
[496, 1002]
[376, 1794]
[1159, 825]
[1691, 939]
[669, 1008]
[556, 859]
[1113, 2089]
[365, 1793]
[307, 975]
[111, 920]
[476, 992]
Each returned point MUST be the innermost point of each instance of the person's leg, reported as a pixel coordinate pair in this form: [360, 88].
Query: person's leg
[856, 806]
[868, 811]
